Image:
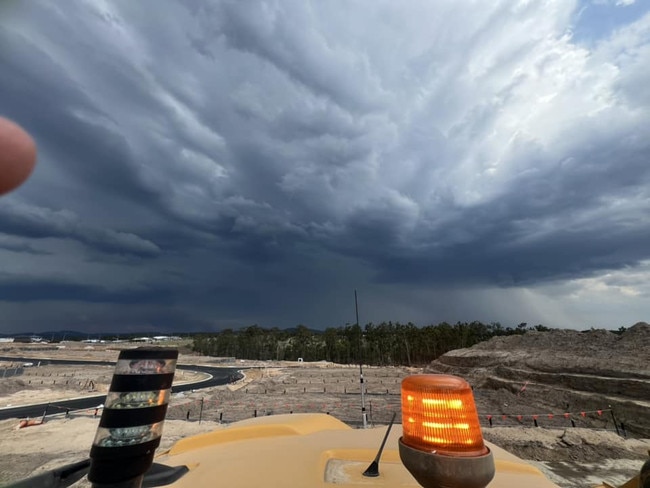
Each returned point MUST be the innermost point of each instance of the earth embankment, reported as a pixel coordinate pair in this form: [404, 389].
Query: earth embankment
[562, 371]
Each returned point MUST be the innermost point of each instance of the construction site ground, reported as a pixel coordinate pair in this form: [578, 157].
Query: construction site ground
[509, 395]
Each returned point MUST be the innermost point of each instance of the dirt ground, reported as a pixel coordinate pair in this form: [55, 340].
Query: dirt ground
[574, 457]
[58, 382]
[578, 456]
[298, 389]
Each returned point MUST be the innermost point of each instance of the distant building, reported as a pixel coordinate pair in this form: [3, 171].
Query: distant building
[142, 339]
[28, 339]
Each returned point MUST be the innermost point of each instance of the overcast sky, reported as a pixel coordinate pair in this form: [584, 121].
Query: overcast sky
[217, 164]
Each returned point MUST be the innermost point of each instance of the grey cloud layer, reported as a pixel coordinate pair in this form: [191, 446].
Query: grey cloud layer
[39, 222]
[277, 143]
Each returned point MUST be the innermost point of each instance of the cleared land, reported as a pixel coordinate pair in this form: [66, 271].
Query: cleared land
[518, 377]
[23, 385]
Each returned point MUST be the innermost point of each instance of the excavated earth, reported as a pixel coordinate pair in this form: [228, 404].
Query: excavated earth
[573, 384]
[565, 381]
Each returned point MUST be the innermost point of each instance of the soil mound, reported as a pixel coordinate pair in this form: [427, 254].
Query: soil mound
[562, 371]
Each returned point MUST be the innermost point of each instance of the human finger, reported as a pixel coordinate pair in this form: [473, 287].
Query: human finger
[17, 155]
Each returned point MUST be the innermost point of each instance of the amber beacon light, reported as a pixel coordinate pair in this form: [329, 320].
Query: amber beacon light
[442, 445]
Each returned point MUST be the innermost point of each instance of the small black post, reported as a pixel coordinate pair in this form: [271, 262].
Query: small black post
[220, 417]
[255, 413]
[611, 411]
[201, 411]
[535, 422]
[490, 420]
[364, 417]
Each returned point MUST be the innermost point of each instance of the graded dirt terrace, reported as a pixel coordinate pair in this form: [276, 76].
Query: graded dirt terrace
[558, 372]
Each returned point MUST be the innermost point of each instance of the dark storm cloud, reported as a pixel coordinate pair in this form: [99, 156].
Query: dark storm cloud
[56, 291]
[304, 55]
[577, 217]
[37, 222]
[44, 98]
[271, 156]
[21, 248]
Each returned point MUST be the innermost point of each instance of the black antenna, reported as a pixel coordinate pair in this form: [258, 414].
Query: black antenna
[363, 397]
[373, 469]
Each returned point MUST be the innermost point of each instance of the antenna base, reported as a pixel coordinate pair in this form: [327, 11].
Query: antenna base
[373, 470]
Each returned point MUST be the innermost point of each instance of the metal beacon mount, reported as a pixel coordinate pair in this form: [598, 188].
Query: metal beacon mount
[132, 420]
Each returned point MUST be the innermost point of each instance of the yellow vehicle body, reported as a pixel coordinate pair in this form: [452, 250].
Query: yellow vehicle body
[311, 450]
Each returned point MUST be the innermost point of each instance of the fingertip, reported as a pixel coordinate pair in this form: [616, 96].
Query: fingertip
[17, 155]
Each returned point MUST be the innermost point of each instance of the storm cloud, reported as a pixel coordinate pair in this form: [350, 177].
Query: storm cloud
[226, 163]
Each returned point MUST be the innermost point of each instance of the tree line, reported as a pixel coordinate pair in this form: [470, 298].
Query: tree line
[387, 343]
